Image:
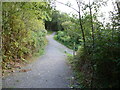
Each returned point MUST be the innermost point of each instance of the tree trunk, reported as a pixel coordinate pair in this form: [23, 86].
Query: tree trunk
[80, 21]
[92, 24]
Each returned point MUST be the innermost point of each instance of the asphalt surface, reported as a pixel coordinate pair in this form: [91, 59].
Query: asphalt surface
[49, 71]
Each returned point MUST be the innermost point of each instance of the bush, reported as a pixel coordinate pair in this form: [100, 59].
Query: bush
[67, 39]
[106, 65]
[23, 33]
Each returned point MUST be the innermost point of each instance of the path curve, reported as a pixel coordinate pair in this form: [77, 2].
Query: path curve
[49, 71]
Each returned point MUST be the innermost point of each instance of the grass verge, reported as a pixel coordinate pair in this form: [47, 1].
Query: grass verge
[49, 32]
[78, 76]
[15, 66]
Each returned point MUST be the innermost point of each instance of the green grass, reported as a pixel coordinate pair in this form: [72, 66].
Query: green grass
[77, 74]
[17, 80]
[49, 32]
[68, 46]
[71, 60]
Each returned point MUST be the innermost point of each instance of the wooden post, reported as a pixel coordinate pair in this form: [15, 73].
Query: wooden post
[74, 49]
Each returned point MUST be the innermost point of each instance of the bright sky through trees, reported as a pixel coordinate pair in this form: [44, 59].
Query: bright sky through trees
[104, 10]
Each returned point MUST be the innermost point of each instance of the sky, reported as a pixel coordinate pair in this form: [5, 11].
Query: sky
[104, 9]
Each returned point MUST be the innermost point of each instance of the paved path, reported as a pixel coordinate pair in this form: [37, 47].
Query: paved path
[49, 71]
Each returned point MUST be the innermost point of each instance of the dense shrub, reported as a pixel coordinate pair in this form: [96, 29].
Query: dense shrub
[23, 30]
[67, 39]
[106, 66]
[97, 64]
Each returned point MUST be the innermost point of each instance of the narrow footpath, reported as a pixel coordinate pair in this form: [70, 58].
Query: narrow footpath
[49, 71]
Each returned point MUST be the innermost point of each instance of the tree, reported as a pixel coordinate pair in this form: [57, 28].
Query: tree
[80, 21]
[23, 30]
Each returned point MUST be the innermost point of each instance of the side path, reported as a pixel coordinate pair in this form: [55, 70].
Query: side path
[49, 71]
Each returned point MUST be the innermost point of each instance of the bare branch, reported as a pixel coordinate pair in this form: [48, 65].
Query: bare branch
[68, 6]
